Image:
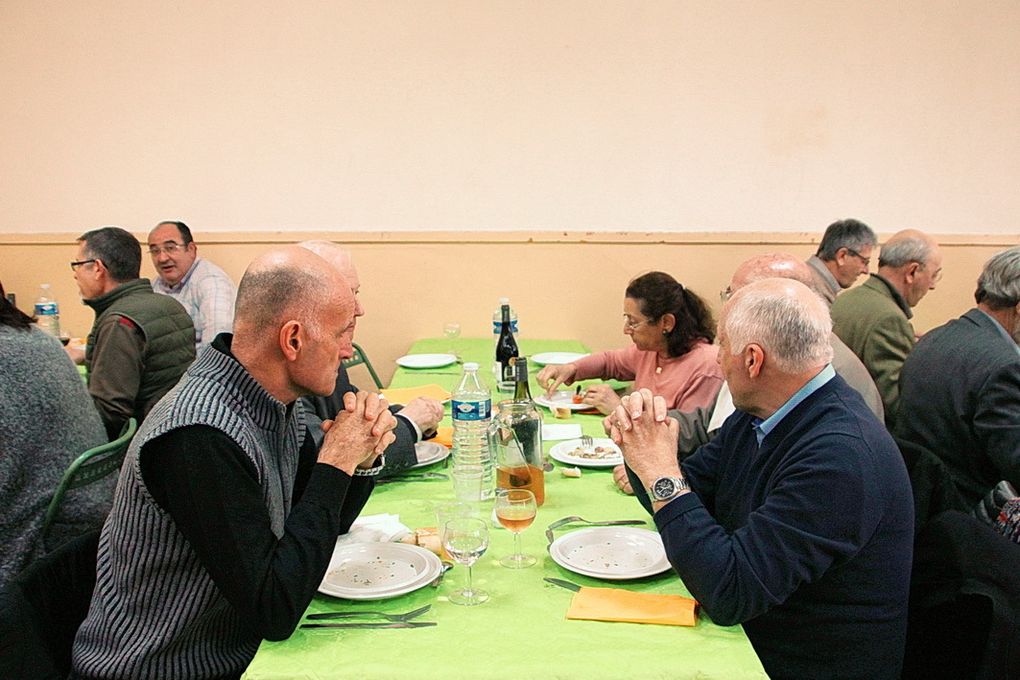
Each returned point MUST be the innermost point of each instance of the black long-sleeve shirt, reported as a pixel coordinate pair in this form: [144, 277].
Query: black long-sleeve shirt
[209, 487]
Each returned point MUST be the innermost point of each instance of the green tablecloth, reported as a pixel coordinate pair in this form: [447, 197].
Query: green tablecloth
[521, 632]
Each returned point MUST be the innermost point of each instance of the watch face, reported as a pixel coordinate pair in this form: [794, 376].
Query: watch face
[664, 487]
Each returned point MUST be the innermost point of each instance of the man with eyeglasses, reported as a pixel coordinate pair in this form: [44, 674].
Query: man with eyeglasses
[873, 319]
[843, 256]
[140, 343]
[205, 290]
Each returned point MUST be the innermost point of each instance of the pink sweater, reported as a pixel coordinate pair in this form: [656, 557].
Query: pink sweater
[686, 382]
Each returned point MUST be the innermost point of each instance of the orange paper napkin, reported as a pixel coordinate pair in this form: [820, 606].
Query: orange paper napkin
[617, 604]
[402, 395]
[444, 436]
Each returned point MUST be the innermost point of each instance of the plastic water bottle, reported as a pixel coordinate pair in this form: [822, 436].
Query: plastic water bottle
[497, 327]
[472, 410]
[47, 312]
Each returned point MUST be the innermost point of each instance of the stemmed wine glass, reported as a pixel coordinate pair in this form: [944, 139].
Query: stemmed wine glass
[451, 330]
[515, 510]
[465, 540]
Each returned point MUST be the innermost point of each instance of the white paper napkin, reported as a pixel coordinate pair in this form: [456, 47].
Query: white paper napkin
[375, 529]
[556, 432]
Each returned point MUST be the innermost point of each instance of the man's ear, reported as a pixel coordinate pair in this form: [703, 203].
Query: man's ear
[754, 358]
[291, 339]
[911, 271]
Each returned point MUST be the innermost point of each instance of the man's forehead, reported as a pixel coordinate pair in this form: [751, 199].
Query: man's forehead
[163, 233]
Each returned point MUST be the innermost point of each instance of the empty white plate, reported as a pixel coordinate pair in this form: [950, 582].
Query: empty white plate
[568, 453]
[555, 358]
[426, 360]
[612, 553]
[429, 453]
[378, 571]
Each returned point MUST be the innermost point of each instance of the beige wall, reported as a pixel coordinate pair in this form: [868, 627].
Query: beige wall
[563, 285]
[525, 115]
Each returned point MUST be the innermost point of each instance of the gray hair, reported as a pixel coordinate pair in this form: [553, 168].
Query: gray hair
[849, 233]
[793, 329]
[265, 296]
[905, 250]
[999, 283]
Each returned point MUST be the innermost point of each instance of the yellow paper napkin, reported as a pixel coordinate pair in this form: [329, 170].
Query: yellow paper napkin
[444, 436]
[402, 395]
[617, 604]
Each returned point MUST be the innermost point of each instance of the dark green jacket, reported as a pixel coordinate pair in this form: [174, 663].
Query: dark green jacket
[139, 347]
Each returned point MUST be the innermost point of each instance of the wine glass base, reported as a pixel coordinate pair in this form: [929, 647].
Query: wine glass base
[468, 597]
[518, 561]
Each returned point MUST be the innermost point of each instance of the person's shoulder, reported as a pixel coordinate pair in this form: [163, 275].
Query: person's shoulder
[211, 273]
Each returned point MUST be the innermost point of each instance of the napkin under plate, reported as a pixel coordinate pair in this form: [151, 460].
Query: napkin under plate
[617, 604]
[403, 395]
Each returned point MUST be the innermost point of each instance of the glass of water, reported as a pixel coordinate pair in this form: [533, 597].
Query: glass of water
[465, 540]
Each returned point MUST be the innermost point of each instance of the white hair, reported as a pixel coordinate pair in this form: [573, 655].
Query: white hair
[793, 329]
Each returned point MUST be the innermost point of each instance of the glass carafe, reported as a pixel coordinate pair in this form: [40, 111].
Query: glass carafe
[515, 440]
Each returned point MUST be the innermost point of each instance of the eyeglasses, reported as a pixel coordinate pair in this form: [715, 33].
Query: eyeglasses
[937, 276]
[75, 265]
[170, 247]
[866, 261]
[630, 324]
[725, 295]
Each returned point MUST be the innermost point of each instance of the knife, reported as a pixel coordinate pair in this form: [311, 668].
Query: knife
[563, 584]
[381, 624]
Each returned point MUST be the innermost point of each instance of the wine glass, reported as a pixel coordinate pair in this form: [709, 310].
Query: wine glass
[451, 331]
[465, 540]
[515, 510]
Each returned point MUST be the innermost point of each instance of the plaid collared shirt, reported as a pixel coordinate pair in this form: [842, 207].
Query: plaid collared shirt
[208, 294]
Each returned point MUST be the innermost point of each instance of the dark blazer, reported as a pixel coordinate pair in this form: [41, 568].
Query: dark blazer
[960, 399]
[399, 455]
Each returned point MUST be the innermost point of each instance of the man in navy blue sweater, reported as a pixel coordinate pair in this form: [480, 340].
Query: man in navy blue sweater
[800, 524]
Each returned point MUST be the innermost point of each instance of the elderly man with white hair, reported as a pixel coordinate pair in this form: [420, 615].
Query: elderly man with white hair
[800, 524]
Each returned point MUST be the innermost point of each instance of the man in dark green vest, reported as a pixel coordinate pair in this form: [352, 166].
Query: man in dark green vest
[140, 343]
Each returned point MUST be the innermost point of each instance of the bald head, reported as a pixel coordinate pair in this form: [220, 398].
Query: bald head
[288, 282]
[912, 263]
[904, 247]
[771, 266]
[341, 260]
[786, 318]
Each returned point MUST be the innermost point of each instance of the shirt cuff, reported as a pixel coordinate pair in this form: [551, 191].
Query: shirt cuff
[414, 427]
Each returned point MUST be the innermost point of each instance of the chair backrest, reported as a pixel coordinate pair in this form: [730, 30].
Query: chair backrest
[88, 468]
[361, 358]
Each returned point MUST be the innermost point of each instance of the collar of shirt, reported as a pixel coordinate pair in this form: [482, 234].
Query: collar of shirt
[763, 427]
[1001, 330]
[184, 279]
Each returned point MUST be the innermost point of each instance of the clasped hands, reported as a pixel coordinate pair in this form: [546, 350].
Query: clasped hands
[647, 437]
[359, 434]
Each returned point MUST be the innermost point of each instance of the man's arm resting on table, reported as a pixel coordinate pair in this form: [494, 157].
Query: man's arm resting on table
[208, 486]
[115, 372]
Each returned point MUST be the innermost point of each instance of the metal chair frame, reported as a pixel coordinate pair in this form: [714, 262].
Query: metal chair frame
[361, 358]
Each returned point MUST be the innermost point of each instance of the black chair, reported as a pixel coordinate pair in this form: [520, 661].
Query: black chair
[42, 608]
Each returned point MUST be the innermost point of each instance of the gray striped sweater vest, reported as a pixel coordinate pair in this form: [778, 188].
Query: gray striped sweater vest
[155, 612]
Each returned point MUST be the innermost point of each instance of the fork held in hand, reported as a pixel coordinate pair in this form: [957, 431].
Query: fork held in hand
[407, 616]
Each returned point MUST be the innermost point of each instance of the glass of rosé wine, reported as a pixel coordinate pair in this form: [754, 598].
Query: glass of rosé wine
[515, 510]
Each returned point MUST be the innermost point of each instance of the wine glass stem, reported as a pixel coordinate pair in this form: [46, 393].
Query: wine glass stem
[517, 546]
[469, 592]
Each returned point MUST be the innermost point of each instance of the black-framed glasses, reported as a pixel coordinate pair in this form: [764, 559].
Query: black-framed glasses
[170, 247]
[866, 261]
[78, 263]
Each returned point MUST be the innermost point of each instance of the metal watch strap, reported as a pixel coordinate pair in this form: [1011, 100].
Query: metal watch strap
[372, 471]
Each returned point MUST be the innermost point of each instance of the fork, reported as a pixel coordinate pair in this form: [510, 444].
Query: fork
[587, 442]
[407, 616]
[602, 523]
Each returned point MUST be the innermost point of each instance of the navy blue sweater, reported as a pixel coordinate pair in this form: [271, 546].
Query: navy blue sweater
[805, 540]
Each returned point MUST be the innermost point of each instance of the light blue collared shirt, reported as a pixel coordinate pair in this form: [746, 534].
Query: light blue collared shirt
[763, 427]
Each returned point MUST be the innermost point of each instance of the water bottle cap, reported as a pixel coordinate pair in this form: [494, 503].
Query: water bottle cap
[470, 366]
[504, 301]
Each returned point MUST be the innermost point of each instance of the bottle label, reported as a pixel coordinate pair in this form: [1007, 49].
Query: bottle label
[45, 308]
[497, 326]
[472, 410]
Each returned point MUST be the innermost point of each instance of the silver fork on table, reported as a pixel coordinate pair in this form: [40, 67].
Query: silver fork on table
[587, 442]
[406, 616]
[574, 519]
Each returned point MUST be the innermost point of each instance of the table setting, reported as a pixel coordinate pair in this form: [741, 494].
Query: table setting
[575, 587]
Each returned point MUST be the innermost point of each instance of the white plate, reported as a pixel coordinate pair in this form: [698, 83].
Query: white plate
[564, 453]
[378, 571]
[429, 453]
[555, 358]
[426, 360]
[612, 553]
[562, 399]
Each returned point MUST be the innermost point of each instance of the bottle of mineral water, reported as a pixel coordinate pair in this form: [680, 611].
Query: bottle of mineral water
[47, 312]
[472, 410]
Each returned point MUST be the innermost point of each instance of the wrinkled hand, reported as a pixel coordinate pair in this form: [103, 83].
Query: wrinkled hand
[622, 480]
[647, 437]
[551, 377]
[602, 397]
[424, 412]
[359, 433]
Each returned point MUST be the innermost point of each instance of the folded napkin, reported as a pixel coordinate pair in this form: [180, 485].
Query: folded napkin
[375, 529]
[553, 432]
[444, 436]
[402, 395]
[617, 604]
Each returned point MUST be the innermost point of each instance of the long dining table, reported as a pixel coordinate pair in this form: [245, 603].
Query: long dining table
[522, 630]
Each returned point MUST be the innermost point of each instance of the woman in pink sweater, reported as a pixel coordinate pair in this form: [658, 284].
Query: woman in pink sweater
[672, 355]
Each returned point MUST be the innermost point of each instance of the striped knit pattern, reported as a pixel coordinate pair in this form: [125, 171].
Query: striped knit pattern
[156, 613]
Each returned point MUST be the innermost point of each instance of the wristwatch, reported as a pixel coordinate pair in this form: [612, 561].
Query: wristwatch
[667, 488]
[372, 471]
